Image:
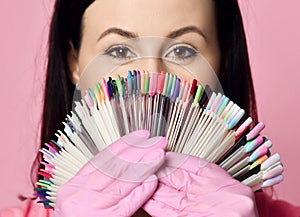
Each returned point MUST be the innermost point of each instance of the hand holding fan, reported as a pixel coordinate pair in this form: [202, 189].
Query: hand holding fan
[195, 120]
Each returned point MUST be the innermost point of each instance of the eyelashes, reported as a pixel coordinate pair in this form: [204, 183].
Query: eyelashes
[178, 52]
[120, 52]
[181, 52]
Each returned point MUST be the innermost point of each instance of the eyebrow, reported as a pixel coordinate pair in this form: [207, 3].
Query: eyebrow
[173, 34]
[118, 31]
[185, 30]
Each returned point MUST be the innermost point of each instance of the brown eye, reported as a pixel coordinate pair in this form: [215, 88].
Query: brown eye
[181, 53]
[120, 52]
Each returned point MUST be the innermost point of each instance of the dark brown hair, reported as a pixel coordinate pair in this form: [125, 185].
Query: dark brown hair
[235, 73]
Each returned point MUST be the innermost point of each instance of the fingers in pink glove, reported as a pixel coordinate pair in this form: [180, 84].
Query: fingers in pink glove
[125, 160]
[193, 174]
[137, 197]
[192, 164]
[157, 208]
[199, 186]
[134, 163]
[117, 148]
[121, 173]
[211, 202]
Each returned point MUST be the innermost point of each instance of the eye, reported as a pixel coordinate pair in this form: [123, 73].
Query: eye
[181, 52]
[120, 52]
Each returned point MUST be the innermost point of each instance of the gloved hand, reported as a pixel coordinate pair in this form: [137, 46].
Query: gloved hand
[117, 181]
[198, 188]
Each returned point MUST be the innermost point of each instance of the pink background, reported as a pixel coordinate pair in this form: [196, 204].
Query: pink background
[273, 33]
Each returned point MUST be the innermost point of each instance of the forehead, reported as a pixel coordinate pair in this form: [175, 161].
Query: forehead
[149, 17]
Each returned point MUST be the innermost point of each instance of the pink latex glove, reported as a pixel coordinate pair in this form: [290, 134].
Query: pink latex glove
[117, 181]
[198, 188]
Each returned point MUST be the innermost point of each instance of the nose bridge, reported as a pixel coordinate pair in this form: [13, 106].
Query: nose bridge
[151, 64]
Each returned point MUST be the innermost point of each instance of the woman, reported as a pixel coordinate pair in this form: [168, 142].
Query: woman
[81, 29]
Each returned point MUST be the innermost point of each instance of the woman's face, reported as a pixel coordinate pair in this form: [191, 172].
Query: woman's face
[107, 24]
